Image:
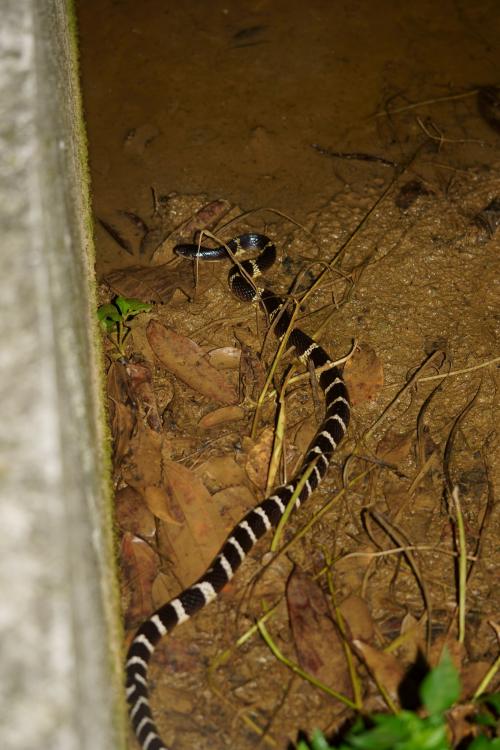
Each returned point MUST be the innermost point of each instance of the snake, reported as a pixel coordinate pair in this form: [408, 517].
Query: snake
[268, 513]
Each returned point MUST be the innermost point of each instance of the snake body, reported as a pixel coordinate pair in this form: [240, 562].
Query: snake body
[268, 513]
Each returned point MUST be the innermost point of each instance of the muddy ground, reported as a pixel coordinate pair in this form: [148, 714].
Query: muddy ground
[363, 139]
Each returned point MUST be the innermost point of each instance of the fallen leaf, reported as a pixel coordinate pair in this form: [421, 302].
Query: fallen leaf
[141, 387]
[187, 361]
[461, 720]
[455, 649]
[305, 434]
[357, 617]
[122, 411]
[317, 641]
[143, 465]
[352, 568]
[364, 375]
[258, 458]
[152, 283]
[394, 447]
[132, 514]
[471, 676]
[221, 416]
[157, 500]
[192, 541]
[252, 372]
[206, 217]
[225, 357]
[233, 503]
[414, 632]
[165, 587]
[220, 472]
[139, 566]
[385, 669]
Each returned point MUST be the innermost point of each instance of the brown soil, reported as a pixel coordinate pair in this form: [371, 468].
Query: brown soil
[366, 125]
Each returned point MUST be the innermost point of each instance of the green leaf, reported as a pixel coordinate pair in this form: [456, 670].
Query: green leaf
[428, 738]
[485, 720]
[129, 306]
[492, 700]
[318, 741]
[483, 743]
[389, 731]
[108, 312]
[441, 687]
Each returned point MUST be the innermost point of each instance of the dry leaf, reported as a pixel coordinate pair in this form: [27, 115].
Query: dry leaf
[395, 447]
[143, 466]
[252, 373]
[233, 503]
[139, 564]
[460, 720]
[455, 649]
[121, 411]
[258, 458]
[414, 641]
[132, 513]
[206, 217]
[318, 644]
[185, 359]
[470, 676]
[364, 375]
[152, 283]
[130, 393]
[305, 433]
[352, 568]
[357, 617]
[191, 544]
[141, 388]
[386, 669]
[157, 500]
[220, 472]
[221, 416]
[225, 358]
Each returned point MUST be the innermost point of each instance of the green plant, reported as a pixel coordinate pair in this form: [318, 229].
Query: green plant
[407, 730]
[114, 317]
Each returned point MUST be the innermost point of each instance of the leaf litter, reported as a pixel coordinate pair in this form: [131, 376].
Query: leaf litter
[186, 470]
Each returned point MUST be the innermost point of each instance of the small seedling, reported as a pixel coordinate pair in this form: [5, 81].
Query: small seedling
[407, 730]
[114, 317]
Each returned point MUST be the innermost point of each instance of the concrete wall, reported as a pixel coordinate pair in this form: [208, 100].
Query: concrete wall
[60, 658]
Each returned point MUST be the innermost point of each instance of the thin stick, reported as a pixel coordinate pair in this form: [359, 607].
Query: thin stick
[487, 678]
[399, 537]
[356, 686]
[453, 97]
[291, 504]
[298, 670]
[279, 437]
[450, 442]
[398, 396]
[462, 565]
[457, 372]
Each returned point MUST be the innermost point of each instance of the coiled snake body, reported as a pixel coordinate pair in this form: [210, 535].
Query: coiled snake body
[266, 515]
